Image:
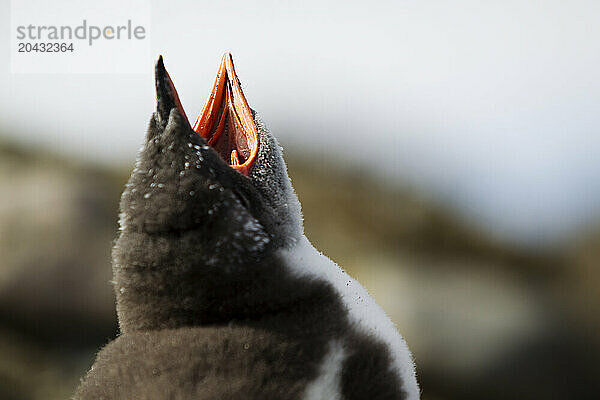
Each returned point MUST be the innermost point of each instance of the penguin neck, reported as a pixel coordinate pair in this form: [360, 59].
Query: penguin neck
[194, 276]
[270, 177]
[179, 289]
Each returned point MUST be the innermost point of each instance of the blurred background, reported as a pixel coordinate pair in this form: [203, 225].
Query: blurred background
[445, 154]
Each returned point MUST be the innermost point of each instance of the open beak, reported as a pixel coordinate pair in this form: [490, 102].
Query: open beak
[166, 95]
[226, 120]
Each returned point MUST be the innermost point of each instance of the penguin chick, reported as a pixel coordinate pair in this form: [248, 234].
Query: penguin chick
[219, 293]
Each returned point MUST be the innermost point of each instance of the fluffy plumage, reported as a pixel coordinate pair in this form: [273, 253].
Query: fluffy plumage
[219, 296]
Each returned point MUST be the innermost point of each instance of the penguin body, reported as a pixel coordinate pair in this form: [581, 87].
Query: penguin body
[219, 293]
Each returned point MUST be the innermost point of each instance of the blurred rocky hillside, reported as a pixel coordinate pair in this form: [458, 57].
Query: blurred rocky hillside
[485, 320]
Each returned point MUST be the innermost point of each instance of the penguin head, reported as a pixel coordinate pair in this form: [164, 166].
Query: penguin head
[224, 176]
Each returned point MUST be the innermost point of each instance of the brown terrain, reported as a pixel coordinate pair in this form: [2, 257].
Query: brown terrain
[485, 319]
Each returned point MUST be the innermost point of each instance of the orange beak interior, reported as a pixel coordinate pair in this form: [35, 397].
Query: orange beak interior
[226, 120]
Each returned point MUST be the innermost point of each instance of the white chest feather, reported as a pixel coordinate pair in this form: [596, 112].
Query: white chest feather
[364, 313]
[327, 385]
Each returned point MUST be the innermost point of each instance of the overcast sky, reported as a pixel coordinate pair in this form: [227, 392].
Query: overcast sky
[491, 105]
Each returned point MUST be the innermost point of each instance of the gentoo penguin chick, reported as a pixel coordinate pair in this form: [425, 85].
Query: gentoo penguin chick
[219, 293]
